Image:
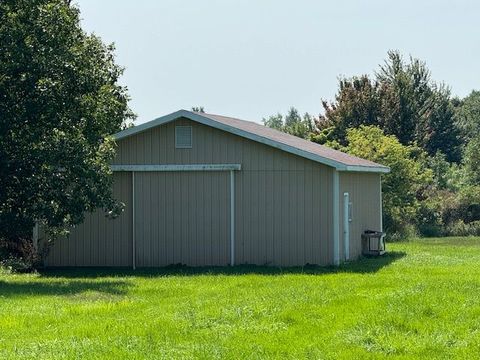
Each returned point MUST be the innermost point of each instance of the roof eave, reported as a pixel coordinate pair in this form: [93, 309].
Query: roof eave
[134, 130]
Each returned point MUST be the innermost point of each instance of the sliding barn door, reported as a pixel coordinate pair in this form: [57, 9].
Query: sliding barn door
[182, 218]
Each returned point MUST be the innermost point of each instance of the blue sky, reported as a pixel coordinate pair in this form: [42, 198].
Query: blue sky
[250, 59]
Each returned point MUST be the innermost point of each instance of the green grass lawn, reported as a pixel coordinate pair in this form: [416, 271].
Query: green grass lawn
[422, 300]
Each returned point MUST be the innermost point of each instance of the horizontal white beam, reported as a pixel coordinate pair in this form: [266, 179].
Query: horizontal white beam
[358, 168]
[175, 167]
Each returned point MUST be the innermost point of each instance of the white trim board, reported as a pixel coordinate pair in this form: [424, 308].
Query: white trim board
[134, 246]
[175, 167]
[236, 131]
[336, 217]
[346, 226]
[232, 218]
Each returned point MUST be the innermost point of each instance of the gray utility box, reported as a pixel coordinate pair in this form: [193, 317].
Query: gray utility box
[373, 242]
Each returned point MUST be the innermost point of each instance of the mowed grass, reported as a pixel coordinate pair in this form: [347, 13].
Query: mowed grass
[422, 300]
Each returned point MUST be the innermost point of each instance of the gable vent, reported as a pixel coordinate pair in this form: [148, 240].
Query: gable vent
[183, 137]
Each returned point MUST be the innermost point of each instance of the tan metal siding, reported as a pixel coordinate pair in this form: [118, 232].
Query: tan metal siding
[174, 223]
[99, 241]
[283, 205]
[364, 190]
[283, 217]
[283, 202]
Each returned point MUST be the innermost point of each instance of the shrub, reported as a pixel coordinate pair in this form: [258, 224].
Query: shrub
[16, 265]
[460, 228]
[19, 256]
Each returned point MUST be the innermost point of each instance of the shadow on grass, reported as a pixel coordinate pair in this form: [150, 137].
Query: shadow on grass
[64, 287]
[363, 266]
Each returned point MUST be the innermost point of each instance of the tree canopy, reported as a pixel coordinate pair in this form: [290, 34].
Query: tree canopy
[292, 123]
[60, 100]
[402, 100]
[467, 115]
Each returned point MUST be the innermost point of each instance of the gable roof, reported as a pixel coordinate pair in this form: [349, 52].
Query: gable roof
[265, 135]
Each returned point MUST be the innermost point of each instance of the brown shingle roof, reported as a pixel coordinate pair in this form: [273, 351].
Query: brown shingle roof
[293, 141]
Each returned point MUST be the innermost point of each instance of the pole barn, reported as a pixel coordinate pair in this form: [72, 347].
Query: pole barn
[202, 189]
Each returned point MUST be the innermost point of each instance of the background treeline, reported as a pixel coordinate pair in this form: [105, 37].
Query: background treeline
[401, 118]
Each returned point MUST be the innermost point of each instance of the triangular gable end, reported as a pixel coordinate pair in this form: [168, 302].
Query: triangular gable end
[208, 121]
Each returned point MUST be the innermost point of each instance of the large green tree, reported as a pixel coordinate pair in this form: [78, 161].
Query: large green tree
[402, 100]
[60, 99]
